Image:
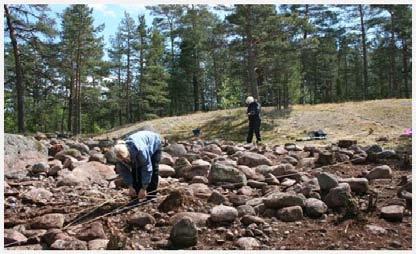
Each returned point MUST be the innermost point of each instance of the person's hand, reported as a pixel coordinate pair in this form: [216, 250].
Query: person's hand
[142, 194]
[132, 191]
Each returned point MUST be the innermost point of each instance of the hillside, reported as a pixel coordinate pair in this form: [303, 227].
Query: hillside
[364, 121]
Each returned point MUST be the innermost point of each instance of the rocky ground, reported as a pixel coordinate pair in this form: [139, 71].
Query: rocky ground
[64, 194]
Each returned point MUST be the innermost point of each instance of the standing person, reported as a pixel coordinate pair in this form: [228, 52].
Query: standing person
[139, 157]
[254, 121]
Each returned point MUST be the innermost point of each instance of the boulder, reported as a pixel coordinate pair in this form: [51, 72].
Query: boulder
[380, 172]
[184, 233]
[358, 185]
[91, 232]
[98, 244]
[47, 221]
[98, 157]
[167, 159]
[172, 202]
[141, 219]
[217, 198]
[346, 143]
[315, 208]
[245, 210]
[41, 167]
[223, 214]
[69, 244]
[200, 219]
[13, 236]
[253, 159]
[249, 219]
[392, 212]
[282, 199]
[181, 166]
[110, 156]
[289, 214]
[338, 196]
[200, 190]
[176, 150]
[325, 158]
[88, 172]
[166, 170]
[37, 195]
[327, 181]
[247, 243]
[213, 148]
[222, 173]
[200, 179]
[199, 168]
[20, 151]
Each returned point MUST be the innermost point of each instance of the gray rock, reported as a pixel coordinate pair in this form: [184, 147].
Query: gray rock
[98, 157]
[392, 212]
[13, 236]
[172, 202]
[291, 160]
[376, 230]
[217, 198]
[338, 196]
[387, 154]
[249, 219]
[223, 214]
[141, 219]
[380, 172]
[292, 147]
[40, 167]
[255, 202]
[280, 151]
[374, 149]
[199, 168]
[359, 158]
[253, 159]
[110, 156]
[176, 150]
[358, 185]
[200, 190]
[245, 210]
[181, 166]
[91, 232]
[200, 179]
[314, 208]
[69, 244]
[325, 158]
[289, 214]
[88, 172]
[184, 233]
[166, 170]
[200, 219]
[37, 195]
[167, 159]
[84, 149]
[47, 221]
[327, 181]
[237, 200]
[98, 244]
[247, 243]
[221, 173]
[30, 247]
[282, 199]
[213, 148]
[283, 169]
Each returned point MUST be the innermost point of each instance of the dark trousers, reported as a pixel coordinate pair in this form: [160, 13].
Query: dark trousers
[253, 127]
[133, 177]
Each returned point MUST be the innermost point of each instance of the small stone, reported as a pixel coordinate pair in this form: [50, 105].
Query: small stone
[392, 212]
[53, 220]
[141, 219]
[249, 219]
[223, 214]
[380, 172]
[184, 233]
[327, 181]
[292, 213]
[98, 244]
[376, 230]
[247, 243]
[217, 198]
[315, 208]
[93, 231]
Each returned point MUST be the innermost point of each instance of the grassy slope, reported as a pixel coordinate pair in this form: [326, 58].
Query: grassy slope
[364, 121]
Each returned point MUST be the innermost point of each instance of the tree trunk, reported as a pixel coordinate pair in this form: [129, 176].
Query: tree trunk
[253, 88]
[405, 70]
[364, 46]
[303, 62]
[128, 104]
[395, 87]
[19, 74]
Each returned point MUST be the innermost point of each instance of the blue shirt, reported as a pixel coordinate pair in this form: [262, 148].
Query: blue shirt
[142, 145]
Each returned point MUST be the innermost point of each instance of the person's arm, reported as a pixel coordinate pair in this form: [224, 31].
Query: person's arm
[146, 170]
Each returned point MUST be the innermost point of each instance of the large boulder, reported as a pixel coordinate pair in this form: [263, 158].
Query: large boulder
[172, 202]
[282, 199]
[200, 190]
[181, 166]
[392, 212]
[13, 236]
[20, 151]
[88, 172]
[222, 173]
[253, 159]
[167, 159]
[141, 219]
